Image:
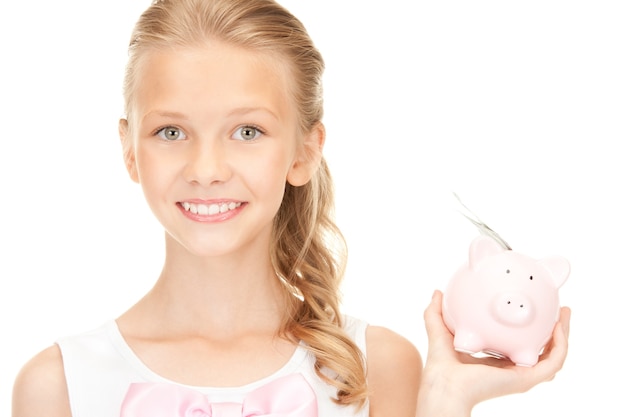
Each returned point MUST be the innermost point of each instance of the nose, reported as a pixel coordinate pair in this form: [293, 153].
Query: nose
[513, 309]
[207, 163]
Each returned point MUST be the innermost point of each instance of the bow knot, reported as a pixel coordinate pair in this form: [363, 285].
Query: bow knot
[289, 396]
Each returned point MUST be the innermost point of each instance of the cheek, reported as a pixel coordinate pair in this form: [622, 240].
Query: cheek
[154, 173]
[268, 173]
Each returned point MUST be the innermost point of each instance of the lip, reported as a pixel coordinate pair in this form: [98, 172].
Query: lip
[210, 211]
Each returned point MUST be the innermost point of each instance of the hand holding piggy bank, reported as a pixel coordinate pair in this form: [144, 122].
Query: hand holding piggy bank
[503, 303]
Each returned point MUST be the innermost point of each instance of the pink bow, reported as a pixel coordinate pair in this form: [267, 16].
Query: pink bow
[289, 396]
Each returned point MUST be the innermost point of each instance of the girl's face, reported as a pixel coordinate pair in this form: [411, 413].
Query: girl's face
[214, 140]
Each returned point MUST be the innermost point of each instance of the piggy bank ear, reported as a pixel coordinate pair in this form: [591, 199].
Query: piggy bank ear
[481, 248]
[559, 267]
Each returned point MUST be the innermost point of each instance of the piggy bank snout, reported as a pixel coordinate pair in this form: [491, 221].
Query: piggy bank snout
[512, 309]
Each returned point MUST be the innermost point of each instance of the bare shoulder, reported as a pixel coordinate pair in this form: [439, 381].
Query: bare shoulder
[394, 370]
[40, 388]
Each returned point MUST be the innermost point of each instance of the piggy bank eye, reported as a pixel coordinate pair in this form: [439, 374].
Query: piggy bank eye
[508, 271]
[531, 277]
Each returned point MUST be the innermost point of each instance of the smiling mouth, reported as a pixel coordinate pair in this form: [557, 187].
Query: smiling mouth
[209, 209]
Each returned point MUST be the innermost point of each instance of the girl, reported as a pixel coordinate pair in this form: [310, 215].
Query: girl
[223, 131]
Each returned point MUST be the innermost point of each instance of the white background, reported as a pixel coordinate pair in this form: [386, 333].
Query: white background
[516, 106]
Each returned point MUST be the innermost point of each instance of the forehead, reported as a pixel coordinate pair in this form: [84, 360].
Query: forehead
[214, 77]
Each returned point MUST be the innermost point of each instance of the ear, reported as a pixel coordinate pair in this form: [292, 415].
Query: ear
[128, 150]
[559, 267]
[483, 247]
[308, 157]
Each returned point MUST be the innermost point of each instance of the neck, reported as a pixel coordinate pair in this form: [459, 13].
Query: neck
[218, 295]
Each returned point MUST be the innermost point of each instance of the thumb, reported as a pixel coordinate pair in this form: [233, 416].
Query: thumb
[436, 328]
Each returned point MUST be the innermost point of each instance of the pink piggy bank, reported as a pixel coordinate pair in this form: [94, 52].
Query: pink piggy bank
[502, 303]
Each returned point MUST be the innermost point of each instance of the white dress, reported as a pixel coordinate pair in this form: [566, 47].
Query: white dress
[100, 367]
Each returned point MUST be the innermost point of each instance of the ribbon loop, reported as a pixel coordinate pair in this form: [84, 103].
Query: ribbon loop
[289, 396]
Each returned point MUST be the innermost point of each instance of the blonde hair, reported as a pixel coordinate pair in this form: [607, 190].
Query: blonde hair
[308, 250]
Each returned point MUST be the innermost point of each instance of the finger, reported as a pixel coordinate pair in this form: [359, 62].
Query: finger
[566, 315]
[564, 321]
[433, 317]
[560, 336]
[554, 358]
[440, 339]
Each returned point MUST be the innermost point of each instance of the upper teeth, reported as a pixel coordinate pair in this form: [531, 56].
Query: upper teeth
[208, 209]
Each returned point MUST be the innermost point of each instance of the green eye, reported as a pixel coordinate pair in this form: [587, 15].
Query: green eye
[247, 133]
[171, 133]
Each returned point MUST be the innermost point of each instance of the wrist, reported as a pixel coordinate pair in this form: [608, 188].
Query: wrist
[438, 397]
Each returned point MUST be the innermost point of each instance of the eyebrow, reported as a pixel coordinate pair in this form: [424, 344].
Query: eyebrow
[236, 112]
[170, 114]
[245, 110]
